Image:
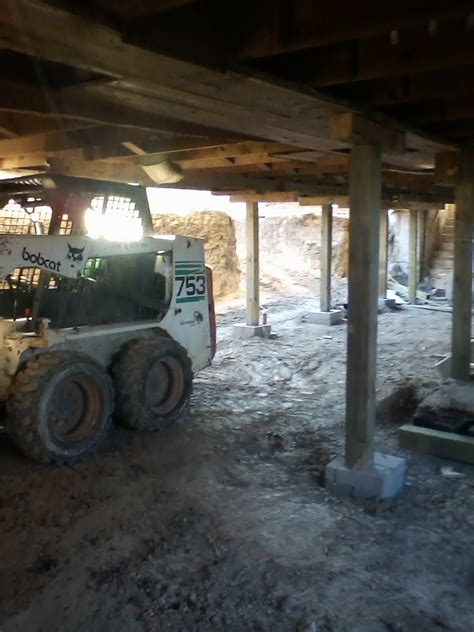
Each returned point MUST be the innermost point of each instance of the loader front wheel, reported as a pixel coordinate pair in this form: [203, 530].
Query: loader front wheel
[60, 406]
[153, 383]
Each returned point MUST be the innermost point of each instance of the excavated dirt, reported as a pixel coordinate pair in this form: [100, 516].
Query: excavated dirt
[222, 523]
[218, 230]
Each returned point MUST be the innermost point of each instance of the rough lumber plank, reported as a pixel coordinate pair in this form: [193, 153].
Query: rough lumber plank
[364, 227]
[446, 445]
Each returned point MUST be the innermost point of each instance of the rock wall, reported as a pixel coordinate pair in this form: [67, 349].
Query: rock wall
[218, 231]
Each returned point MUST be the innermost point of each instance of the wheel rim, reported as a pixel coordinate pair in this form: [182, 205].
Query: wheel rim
[164, 385]
[74, 408]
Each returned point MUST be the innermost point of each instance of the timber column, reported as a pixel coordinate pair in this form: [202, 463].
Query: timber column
[362, 472]
[413, 257]
[383, 256]
[462, 282]
[326, 315]
[364, 230]
[252, 278]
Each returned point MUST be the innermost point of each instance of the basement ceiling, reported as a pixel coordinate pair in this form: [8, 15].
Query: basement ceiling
[237, 96]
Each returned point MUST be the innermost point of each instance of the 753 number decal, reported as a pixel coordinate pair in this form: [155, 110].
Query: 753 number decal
[190, 287]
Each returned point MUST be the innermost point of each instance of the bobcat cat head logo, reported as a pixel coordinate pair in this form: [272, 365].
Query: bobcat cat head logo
[75, 254]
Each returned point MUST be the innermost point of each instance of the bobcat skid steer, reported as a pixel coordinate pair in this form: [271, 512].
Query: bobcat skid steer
[97, 316]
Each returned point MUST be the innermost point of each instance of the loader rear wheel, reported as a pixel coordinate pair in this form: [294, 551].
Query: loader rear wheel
[153, 383]
[60, 406]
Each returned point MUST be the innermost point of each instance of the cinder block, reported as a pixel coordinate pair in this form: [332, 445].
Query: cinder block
[384, 480]
[325, 318]
[247, 331]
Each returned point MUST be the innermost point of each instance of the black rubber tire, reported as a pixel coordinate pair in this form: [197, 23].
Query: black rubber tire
[33, 428]
[132, 373]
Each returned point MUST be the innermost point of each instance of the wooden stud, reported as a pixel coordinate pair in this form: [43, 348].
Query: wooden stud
[383, 255]
[413, 257]
[364, 229]
[252, 269]
[325, 259]
[462, 281]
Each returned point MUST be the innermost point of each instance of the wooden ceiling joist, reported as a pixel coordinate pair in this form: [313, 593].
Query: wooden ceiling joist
[376, 58]
[307, 25]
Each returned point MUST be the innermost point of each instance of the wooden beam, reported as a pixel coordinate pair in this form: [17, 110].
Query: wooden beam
[239, 183]
[383, 253]
[446, 445]
[321, 200]
[280, 198]
[80, 104]
[364, 228]
[413, 257]
[462, 281]
[353, 129]
[252, 264]
[325, 259]
[167, 86]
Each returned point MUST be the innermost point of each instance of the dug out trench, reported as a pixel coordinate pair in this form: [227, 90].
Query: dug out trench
[222, 522]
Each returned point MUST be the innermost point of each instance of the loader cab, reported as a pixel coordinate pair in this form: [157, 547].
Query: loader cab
[110, 288]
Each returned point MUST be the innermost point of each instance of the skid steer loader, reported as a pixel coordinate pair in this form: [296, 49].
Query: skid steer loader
[98, 317]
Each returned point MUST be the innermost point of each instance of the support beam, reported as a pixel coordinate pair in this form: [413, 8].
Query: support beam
[462, 283]
[364, 229]
[325, 258]
[383, 255]
[413, 257]
[252, 269]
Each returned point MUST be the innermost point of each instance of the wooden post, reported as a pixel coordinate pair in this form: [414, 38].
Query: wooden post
[252, 270]
[325, 258]
[462, 281]
[383, 256]
[423, 254]
[364, 232]
[413, 257]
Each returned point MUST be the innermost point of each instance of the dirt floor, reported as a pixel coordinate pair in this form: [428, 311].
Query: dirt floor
[223, 522]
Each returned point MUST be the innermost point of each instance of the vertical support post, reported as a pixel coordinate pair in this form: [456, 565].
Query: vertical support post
[413, 257]
[325, 258]
[252, 269]
[364, 233]
[383, 256]
[462, 282]
[423, 237]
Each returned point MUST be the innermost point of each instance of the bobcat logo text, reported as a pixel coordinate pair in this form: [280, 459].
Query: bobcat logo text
[36, 258]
